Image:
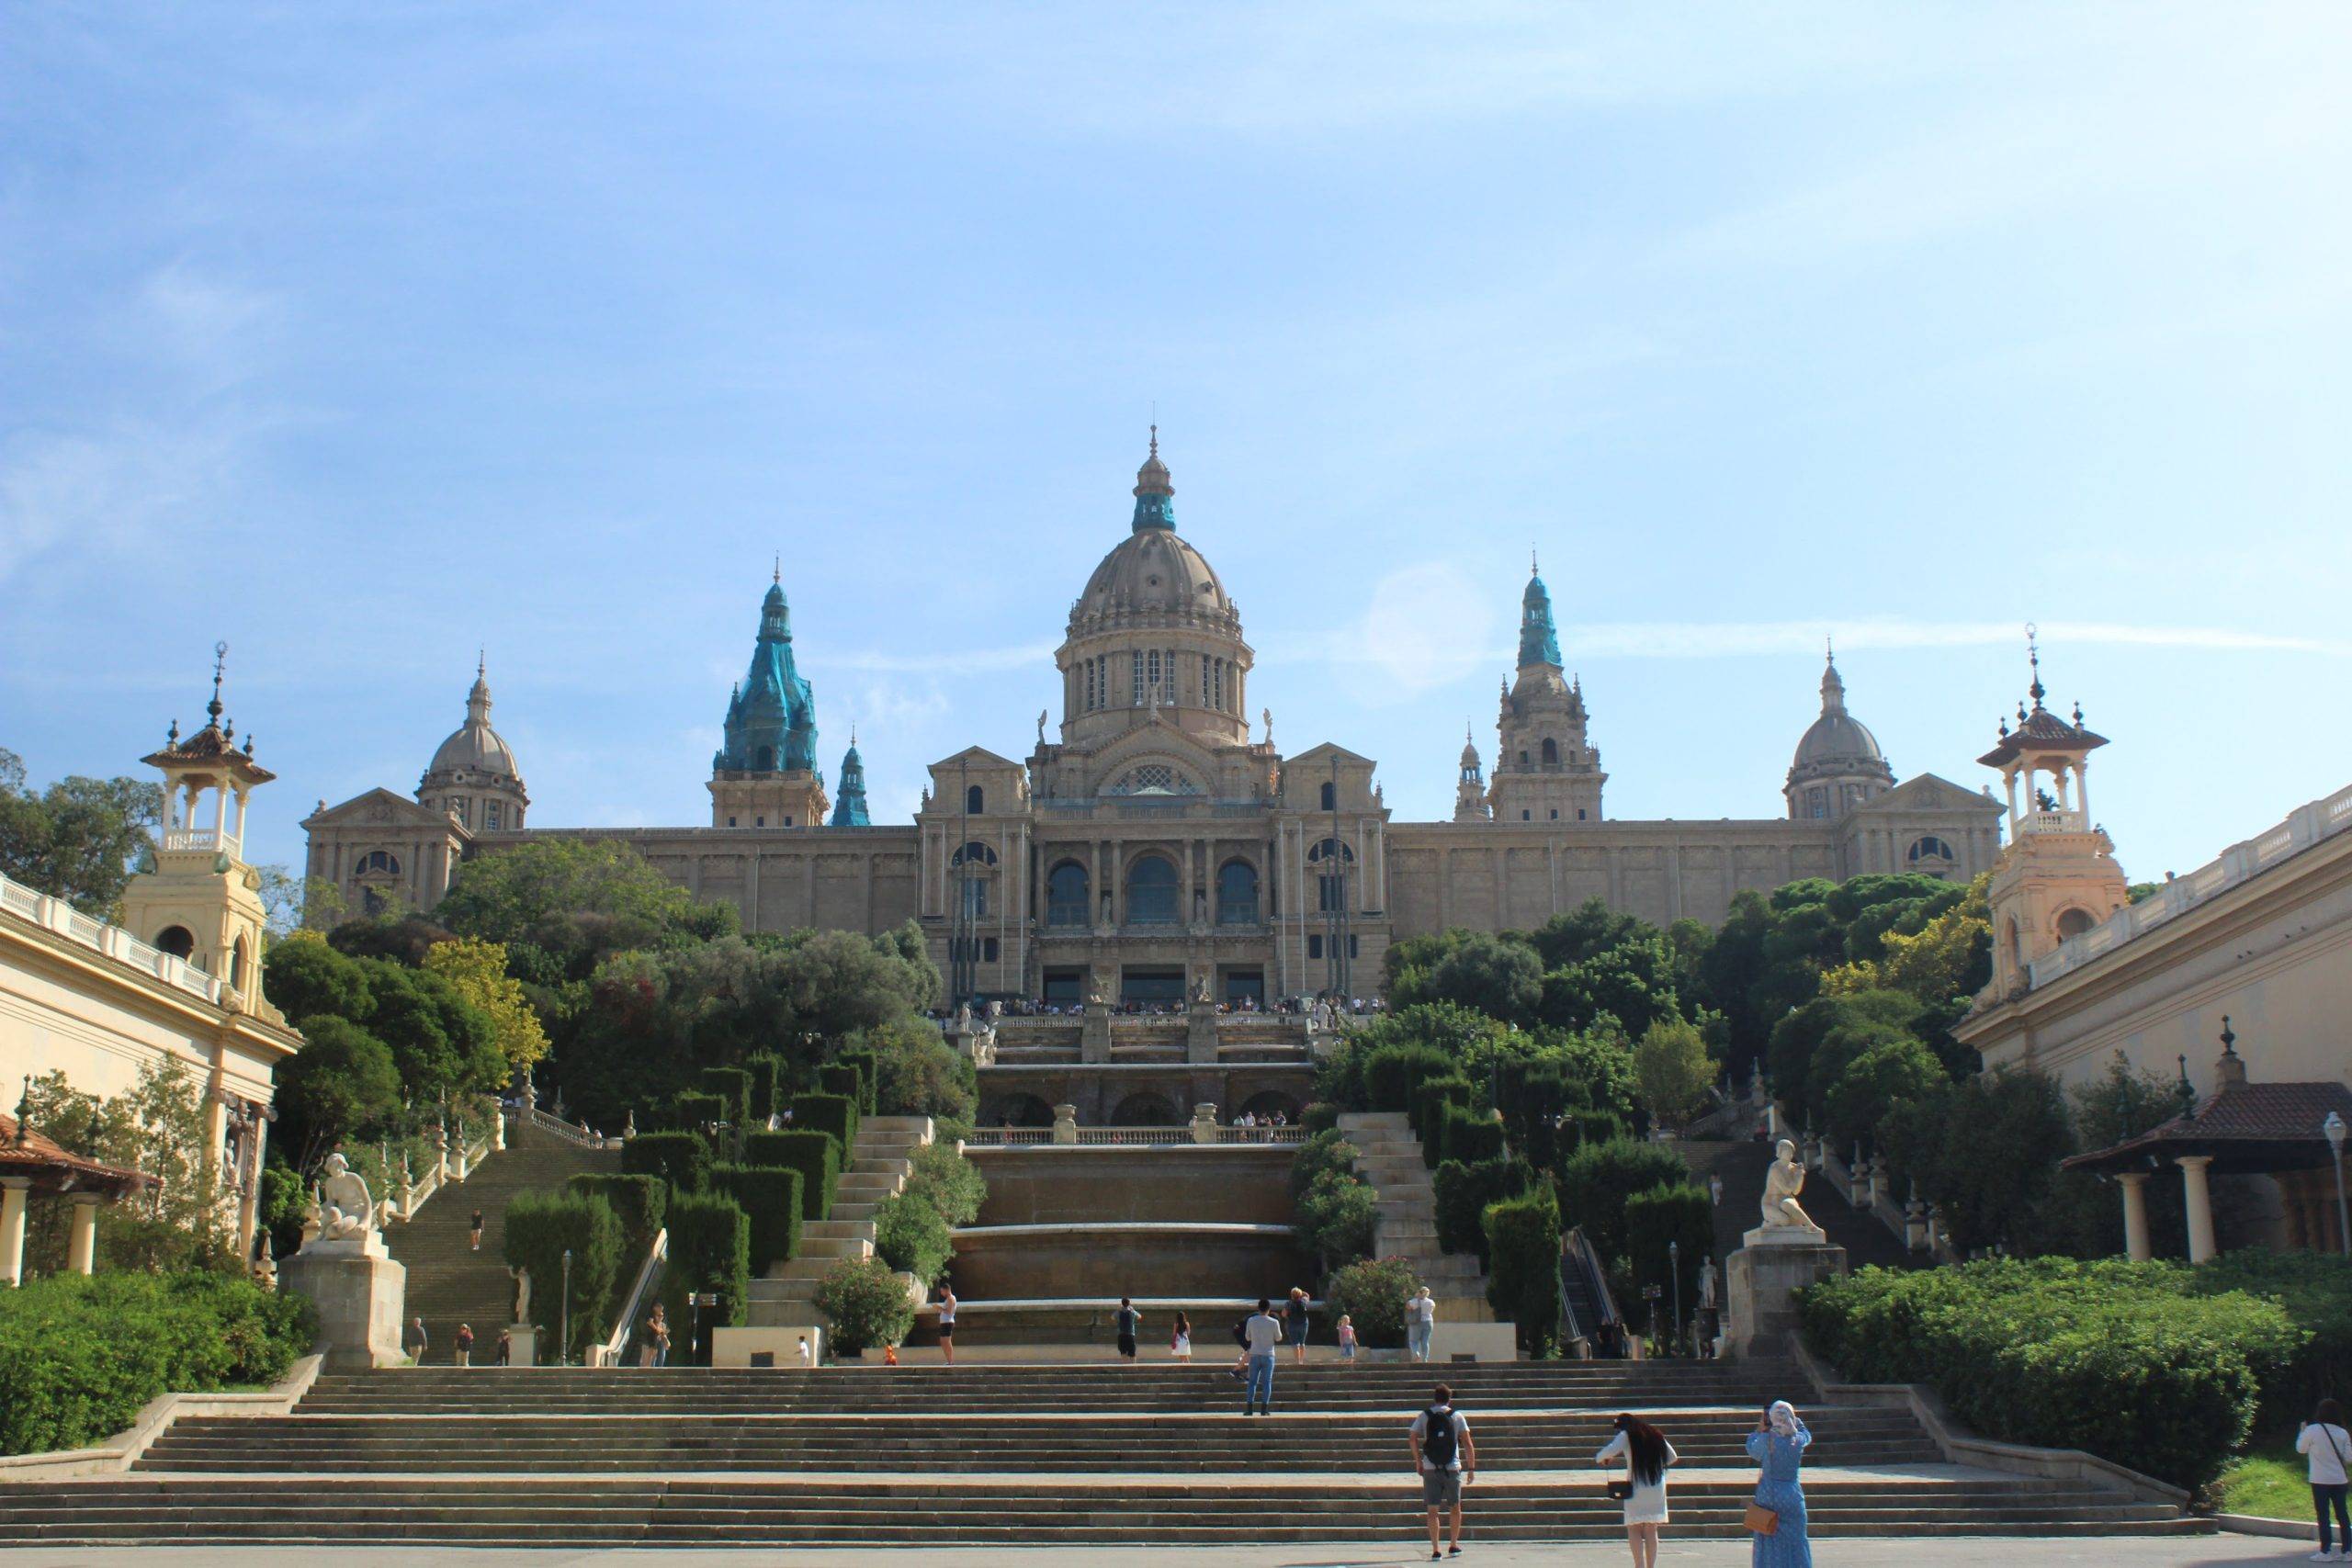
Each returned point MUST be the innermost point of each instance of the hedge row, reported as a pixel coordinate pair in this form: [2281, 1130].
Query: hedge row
[1464, 1191]
[767, 1072]
[681, 1159]
[769, 1196]
[816, 1156]
[733, 1086]
[2124, 1359]
[640, 1202]
[1524, 1281]
[1391, 1073]
[540, 1228]
[832, 1113]
[693, 1112]
[710, 1250]
[79, 1354]
[1599, 1181]
[869, 1068]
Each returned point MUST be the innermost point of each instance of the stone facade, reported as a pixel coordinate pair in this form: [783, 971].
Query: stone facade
[1159, 844]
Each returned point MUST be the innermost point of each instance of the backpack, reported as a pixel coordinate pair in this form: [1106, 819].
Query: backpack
[1437, 1437]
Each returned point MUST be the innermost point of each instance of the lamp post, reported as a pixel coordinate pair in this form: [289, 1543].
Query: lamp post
[1674, 1269]
[563, 1355]
[2333, 1130]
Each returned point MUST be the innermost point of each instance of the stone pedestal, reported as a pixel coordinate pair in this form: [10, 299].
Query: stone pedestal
[359, 1294]
[523, 1345]
[1760, 1284]
[1203, 1124]
[1200, 1034]
[1065, 1123]
[1094, 1033]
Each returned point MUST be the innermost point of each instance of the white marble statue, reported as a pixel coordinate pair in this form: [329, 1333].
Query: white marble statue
[522, 1294]
[1782, 1185]
[345, 1211]
[1707, 1283]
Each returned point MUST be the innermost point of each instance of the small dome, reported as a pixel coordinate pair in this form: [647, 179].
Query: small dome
[476, 747]
[1838, 736]
[1154, 570]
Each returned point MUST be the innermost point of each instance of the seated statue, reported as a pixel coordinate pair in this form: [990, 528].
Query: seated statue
[345, 1211]
[1782, 1185]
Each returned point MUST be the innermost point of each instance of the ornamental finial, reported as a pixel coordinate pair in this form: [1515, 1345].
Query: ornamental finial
[220, 659]
[776, 577]
[2033, 657]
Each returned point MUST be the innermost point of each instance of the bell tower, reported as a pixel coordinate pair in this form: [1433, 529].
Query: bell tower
[1470, 792]
[765, 774]
[202, 902]
[2058, 878]
[1546, 769]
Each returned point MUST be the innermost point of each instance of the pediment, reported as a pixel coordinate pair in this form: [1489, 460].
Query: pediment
[972, 756]
[377, 808]
[1323, 752]
[1926, 792]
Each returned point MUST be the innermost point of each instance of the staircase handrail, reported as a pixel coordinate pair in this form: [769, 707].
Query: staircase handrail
[579, 1132]
[1588, 1262]
[649, 1276]
[418, 1193]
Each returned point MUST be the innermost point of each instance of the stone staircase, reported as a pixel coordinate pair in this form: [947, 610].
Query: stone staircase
[1034, 1454]
[878, 1168]
[449, 1283]
[1741, 1166]
[1390, 1158]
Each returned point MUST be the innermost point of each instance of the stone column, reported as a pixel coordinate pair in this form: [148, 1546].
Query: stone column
[12, 1228]
[2200, 1205]
[2136, 1246]
[82, 1249]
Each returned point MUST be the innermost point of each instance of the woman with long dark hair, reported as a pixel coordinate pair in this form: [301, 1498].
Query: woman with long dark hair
[1646, 1455]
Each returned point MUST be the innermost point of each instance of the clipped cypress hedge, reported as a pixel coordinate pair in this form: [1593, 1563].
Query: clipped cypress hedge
[681, 1159]
[1681, 1213]
[833, 1113]
[79, 1354]
[540, 1228]
[869, 1067]
[843, 1078]
[770, 1195]
[1598, 1180]
[1523, 1268]
[640, 1202]
[816, 1156]
[1430, 1096]
[710, 1249]
[1390, 1073]
[733, 1086]
[1467, 1135]
[767, 1078]
[693, 1110]
[1464, 1191]
[2121, 1358]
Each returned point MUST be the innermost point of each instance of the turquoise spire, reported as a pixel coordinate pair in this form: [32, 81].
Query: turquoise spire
[849, 809]
[1539, 642]
[1155, 497]
[771, 718]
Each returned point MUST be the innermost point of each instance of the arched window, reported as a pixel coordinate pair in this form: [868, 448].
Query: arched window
[2016, 944]
[1930, 850]
[1330, 849]
[1817, 802]
[237, 957]
[177, 941]
[378, 863]
[2073, 922]
[766, 761]
[1144, 1110]
[975, 803]
[1236, 893]
[1151, 892]
[1551, 752]
[1326, 798]
[976, 854]
[1066, 895]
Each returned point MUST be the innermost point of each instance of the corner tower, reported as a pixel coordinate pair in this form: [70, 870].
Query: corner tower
[2059, 876]
[765, 773]
[1545, 769]
[849, 811]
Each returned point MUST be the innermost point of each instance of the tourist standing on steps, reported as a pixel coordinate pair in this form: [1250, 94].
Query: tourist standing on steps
[1646, 1455]
[1129, 1321]
[465, 1344]
[1421, 1322]
[413, 1340]
[947, 1324]
[1179, 1339]
[1347, 1337]
[2328, 1448]
[1445, 1457]
[1778, 1444]
[1294, 1325]
[657, 1338]
[477, 1230]
[1260, 1335]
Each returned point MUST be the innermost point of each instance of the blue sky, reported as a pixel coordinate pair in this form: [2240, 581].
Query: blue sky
[361, 337]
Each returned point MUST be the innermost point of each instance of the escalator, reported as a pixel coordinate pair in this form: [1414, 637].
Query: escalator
[1587, 1312]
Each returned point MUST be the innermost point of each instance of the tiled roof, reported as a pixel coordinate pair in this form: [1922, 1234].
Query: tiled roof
[2041, 729]
[47, 1164]
[2264, 1124]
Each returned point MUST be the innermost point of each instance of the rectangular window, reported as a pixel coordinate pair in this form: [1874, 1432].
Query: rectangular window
[988, 950]
[490, 815]
[1134, 681]
[1327, 894]
[1315, 947]
[976, 897]
[1155, 669]
[1208, 686]
[1353, 951]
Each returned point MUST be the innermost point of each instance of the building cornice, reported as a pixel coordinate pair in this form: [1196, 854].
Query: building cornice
[34, 946]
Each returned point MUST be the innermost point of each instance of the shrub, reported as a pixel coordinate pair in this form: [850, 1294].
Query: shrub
[1597, 1180]
[693, 1112]
[1372, 1292]
[912, 1237]
[864, 1303]
[1579, 1129]
[948, 1182]
[1523, 1276]
[1465, 1190]
[1320, 1117]
[1318, 1153]
[845, 1079]
[869, 1069]
[79, 1354]
[542, 1226]
[1430, 1097]
[767, 1071]
[2315, 1289]
[1390, 1073]
[1335, 1218]
[640, 1202]
[1469, 1135]
[770, 1197]
[733, 1086]
[1683, 1213]
[710, 1250]
[917, 1073]
[833, 1113]
[682, 1159]
[816, 1156]
[1535, 1094]
[2113, 1357]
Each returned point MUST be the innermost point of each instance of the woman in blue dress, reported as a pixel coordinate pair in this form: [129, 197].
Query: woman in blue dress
[1778, 1444]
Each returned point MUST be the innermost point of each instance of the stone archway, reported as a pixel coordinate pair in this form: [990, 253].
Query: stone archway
[1145, 1110]
[1015, 1111]
[1267, 1102]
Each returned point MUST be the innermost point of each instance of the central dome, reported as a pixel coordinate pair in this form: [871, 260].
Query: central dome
[1153, 571]
[474, 747]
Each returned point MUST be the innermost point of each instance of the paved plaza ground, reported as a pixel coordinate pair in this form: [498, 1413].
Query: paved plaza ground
[2206, 1551]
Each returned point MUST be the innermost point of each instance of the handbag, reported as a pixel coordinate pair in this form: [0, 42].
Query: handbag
[1761, 1520]
[1619, 1490]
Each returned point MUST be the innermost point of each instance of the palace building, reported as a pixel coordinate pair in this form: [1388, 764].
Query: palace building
[1157, 848]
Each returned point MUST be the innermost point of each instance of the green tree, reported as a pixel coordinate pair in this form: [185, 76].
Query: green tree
[1894, 1071]
[1495, 975]
[341, 1085]
[1674, 1070]
[1632, 983]
[503, 897]
[1584, 932]
[476, 970]
[80, 839]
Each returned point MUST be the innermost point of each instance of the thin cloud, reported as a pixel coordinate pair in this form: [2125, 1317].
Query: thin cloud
[972, 661]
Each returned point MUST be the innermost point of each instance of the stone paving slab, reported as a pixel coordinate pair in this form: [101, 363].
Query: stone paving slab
[2091, 1552]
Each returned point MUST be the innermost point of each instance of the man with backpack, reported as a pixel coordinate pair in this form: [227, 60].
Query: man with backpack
[1445, 1458]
